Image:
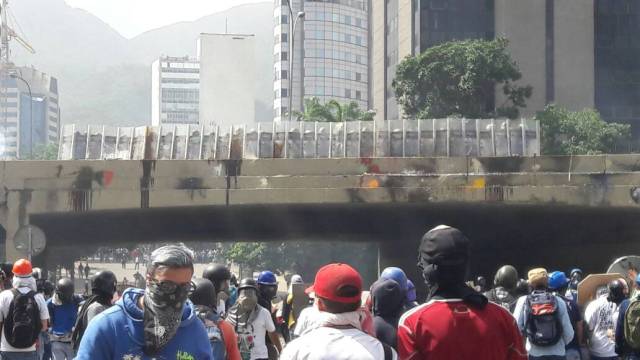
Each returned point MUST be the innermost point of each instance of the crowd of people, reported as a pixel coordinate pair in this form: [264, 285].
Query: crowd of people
[179, 315]
[140, 255]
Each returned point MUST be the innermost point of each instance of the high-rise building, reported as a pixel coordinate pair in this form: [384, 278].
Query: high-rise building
[227, 78]
[29, 112]
[552, 42]
[331, 53]
[175, 92]
[617, 60]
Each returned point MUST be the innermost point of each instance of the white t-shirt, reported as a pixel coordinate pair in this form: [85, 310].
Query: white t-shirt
[326, 343]
[307, 321]
[254, 336]
[601, 316]
[6, 297]
[221, 309]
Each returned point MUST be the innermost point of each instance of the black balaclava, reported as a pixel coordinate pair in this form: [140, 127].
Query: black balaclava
[444, 259]
[617, 292]
[388, 299]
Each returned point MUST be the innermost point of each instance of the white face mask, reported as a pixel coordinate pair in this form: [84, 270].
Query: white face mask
[28, 282]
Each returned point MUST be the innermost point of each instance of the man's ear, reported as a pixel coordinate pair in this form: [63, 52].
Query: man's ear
[320, 305]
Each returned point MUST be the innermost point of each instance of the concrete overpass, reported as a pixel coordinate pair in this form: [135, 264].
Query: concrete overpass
[556, 211]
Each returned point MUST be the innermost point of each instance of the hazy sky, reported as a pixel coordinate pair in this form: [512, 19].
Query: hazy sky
[133, 17]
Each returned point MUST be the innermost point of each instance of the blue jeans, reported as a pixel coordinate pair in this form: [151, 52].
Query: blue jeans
[573, 354]
[30, 355]
[604, 358]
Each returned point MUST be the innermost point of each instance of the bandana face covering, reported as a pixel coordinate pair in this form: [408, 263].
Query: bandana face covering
[248, 300]
[162, 313]
[242, 314]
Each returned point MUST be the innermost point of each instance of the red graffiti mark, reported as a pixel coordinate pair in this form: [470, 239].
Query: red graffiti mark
[372, 168]
[104, 178]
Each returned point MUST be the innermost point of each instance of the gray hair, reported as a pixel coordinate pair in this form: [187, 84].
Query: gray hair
[170, 256]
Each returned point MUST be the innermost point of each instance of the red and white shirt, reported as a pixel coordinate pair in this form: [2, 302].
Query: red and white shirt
[450, 329]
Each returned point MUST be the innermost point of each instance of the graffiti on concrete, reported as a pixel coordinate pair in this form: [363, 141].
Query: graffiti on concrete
[81, 195]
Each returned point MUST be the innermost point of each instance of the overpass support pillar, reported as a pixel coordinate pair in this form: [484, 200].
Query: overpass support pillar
[13, 215]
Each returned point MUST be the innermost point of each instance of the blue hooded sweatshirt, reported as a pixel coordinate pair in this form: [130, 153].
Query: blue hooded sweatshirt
[117, 333]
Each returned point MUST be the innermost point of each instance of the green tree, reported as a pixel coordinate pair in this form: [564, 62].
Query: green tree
[348, 112]
[253, 256]
[43, 152]
[314, 111]
[333, 111]
[459, 78]
[583, 132]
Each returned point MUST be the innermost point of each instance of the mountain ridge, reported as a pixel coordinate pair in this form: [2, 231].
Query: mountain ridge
[105, 78]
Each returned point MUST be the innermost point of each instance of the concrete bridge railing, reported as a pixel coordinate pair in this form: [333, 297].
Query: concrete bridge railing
[451, 137]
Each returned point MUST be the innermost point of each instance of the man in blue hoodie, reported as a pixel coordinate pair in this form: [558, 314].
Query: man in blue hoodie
[157, 323]
[63, 310]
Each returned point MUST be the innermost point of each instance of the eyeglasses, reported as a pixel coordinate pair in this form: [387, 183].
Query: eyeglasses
[170, 287]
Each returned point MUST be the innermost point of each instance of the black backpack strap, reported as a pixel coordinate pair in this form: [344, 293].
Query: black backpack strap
[388, 352]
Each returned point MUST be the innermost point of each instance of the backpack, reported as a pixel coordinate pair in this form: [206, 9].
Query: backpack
[22, 325]
[211, 322]
[632, 325]
[543, 326]
[503, 298]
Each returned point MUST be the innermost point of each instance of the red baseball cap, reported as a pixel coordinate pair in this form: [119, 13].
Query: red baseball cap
[332, 279]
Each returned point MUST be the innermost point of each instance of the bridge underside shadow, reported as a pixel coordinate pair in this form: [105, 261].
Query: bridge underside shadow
[558, 237]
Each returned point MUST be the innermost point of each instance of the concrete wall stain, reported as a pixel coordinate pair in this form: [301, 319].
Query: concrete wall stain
[494, 193]
[423, 166]
[81, 196]
[146, 182]
[233, 169]
[23, 204]
[370, 165]
[505, 164]
[193, 185]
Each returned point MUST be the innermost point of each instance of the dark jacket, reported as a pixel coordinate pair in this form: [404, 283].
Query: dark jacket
[622, 348]
[388, 306]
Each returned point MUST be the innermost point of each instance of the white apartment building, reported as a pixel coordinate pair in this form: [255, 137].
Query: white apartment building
[331, 53]
[227, 78]
[175, 91]
[29, 111]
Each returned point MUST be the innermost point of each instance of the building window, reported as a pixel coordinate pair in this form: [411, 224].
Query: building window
[180, 81]
[347, 19]
[284, 74]
[359, 95]
[347, 93]
[284, 93]
[358, 77]
[284, 19]
[284, 56]
[284, 37]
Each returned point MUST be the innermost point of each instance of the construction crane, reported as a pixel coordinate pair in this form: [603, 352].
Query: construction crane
[6, 35]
